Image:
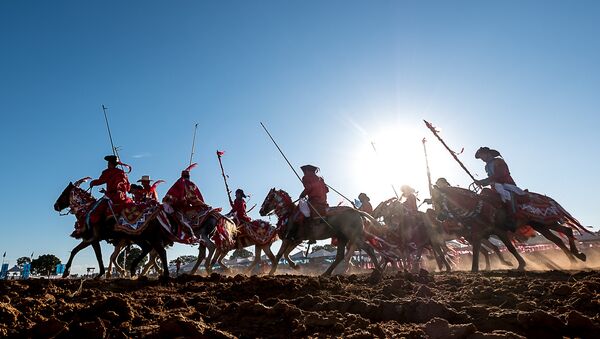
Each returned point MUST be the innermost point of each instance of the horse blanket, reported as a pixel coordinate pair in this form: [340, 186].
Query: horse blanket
[261, 232]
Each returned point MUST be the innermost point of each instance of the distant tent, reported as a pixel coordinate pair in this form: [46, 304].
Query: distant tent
[15, 269]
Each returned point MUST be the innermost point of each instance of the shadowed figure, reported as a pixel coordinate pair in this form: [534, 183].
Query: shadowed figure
[343, 223]
[153, 237]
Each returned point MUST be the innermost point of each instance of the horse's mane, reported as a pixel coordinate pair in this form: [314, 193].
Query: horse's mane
[285, 196]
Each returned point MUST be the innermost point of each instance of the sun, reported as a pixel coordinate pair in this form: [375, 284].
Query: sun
[393, 157]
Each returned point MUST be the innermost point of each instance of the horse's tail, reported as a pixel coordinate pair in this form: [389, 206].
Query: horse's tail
[570, 220]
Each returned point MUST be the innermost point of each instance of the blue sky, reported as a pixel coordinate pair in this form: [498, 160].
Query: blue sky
[326, 77]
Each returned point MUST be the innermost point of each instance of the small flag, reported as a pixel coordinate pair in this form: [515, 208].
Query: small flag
[4, 255]
[220, 153]
[31, 256]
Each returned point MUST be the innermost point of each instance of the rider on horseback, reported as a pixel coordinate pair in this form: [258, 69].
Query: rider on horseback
[500, 180]
[313, 208]
[117, 186]
[148, 191]
[365, 203]
[239, 207]
[184, 195]
[409, 204]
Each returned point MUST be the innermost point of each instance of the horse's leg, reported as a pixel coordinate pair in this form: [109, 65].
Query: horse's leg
[146, 248]
[339, 257]
[543, 230]
[286, 255]
[208, 264]
[83, 244]
[162, 254]
[201, 256]
[486, 254]
[349, 254]
[257, 251]
[282, 250]
[113, 259]
[98, 252]
[476, 244]
[151, 262]
[496, 250]
[442, 257]
[371, 253]
[569, 233]
[269, 254]
[503, 236]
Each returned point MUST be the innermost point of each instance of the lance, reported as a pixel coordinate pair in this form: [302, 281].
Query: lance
[427, 166]
[115, 151]
[219, 154]
[435, 132]
[296, 173]
[377, 154]
[193, 144]
[341, 195]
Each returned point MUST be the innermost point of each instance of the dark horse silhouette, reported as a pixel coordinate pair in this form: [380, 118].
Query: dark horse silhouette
[346, 225]
[486, 217]
[153, 237]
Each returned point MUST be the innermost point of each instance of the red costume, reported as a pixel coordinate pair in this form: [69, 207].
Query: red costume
[117, 186]
[184, 195]
[410, 203]
[366, 207]
[498, 173]
[239, 208]
[316, 190]
[149, 193]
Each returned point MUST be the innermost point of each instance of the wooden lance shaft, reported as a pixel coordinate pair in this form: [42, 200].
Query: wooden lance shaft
[225, 179]
[433, 130]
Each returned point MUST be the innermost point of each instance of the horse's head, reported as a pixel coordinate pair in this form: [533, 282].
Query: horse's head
[72, 191]
[268, 204]
[276, 200]
[63, 200]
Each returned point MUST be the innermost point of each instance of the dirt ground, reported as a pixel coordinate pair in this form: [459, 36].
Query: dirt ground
[495, 304]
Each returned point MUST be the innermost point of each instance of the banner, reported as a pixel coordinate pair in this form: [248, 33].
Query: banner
[26, 271]
[3, 271]
[60, 269]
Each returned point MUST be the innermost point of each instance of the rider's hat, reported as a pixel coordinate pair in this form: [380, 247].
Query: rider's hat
[363, 196]
[241, 192]
[442, 182]
[406, 190]
[186, 172]
[483, 150]
[309, 168]
[145, 178]
[112, 159]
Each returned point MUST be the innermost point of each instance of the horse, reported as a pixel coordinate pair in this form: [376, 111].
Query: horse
[542, 213]
[153, 236]
[343, 223]
[205, 223]
[404, 229]
[258, 233]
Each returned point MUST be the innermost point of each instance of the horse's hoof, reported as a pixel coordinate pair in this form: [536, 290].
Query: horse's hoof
[581, 256]
[508, 263]
[521, 268]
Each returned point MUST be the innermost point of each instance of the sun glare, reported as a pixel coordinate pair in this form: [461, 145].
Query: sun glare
[394, 157]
